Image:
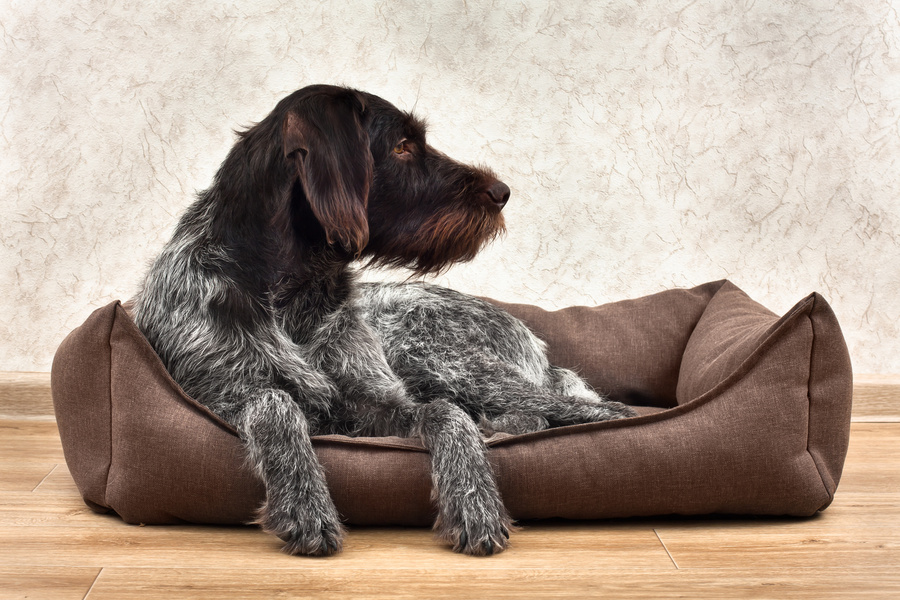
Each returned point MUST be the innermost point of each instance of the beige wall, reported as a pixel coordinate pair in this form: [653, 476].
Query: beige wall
[648, 145]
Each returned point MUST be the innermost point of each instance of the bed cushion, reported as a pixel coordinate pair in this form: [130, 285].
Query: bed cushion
[751, 416]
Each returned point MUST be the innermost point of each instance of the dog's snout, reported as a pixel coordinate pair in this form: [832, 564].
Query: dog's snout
[499, 193]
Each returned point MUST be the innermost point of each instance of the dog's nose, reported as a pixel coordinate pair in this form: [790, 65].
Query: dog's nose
[499, 193]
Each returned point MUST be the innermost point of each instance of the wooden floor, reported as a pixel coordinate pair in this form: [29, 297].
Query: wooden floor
[52, 546]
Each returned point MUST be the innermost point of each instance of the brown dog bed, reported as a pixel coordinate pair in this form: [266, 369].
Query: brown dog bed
[753, 417]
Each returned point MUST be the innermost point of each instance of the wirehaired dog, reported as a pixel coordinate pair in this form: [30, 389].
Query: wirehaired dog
[254, 310]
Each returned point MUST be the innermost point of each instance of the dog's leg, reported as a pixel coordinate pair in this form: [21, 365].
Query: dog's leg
[298, 507]
[526, 410]
[376, 401]
[514, 422]
[582, 404]
[538, 410]
[502, 399]
[471, 515]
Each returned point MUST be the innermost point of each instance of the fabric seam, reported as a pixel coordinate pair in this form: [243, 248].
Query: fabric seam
[112, 327]
[819, 467]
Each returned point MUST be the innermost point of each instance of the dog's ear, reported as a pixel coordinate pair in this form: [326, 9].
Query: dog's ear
[324, 139]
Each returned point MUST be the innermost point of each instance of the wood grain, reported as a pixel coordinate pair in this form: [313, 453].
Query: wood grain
[43, 582]
[16, 477]
[799, 584]
[579, 547]
[872, 459]
[876, 398]
[774, 547]
[25, 395]
[53, 546]
[29, 443]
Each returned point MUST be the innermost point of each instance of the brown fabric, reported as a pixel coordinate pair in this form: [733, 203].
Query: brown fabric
[753, 419]
[79, 380]
[602, 343]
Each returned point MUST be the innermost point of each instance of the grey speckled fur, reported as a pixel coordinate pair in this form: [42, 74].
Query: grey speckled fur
[445, 344]
[256, 313]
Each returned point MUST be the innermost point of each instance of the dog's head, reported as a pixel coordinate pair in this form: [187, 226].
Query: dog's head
[367, 182]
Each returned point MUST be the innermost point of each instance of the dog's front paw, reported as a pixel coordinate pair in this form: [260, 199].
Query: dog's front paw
[479, 538]
[483, 539]
[480, 529]
[311, 533]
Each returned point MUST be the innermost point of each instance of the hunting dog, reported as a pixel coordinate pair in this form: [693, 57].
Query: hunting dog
[254, 309]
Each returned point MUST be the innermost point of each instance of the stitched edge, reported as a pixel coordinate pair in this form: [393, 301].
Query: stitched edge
[109, 429]
[822, 469]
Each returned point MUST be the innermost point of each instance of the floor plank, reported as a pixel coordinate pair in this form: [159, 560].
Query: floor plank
[873, 459]
[722, 547]
[875, 398]
[16, 477]
[800, 584]
[24, 509]
[58, 481]
[43, 582]
[25, 395]
[865, 509]
[30, 442]
[585, 547]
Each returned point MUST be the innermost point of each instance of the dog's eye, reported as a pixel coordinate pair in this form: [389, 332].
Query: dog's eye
[403, 147]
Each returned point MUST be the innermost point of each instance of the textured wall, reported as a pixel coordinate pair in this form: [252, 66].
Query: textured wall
[648, 144]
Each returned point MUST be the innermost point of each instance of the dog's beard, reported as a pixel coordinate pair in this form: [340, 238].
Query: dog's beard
[447, 238]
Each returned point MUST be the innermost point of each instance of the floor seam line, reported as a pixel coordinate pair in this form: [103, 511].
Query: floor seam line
[667, 550]
[56, 466]
[93, 583]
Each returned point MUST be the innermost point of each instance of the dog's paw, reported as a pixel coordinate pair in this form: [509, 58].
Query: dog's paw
[514, 423]
[479, 538]
[483, 539]
[605, 410]
[620, 411]
[477, 528]
[323, 540]
[311, 534]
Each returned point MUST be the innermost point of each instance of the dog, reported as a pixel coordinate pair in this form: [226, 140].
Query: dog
[255, 310]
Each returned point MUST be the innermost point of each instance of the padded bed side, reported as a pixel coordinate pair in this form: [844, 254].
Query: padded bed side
[830, 395]
[79, 383]
[753, 434]
[172, 460]
[603, 343]
[809, 407]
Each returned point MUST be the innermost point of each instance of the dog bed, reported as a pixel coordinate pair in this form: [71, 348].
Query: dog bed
[752, 416]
